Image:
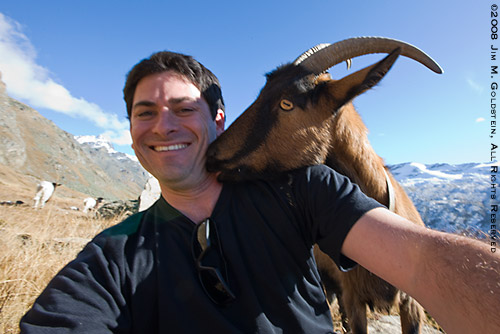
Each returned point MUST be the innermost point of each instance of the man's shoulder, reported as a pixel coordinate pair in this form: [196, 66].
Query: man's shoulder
[127, 227]
[315, 172]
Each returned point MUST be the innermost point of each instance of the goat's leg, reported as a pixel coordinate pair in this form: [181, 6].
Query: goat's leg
[343, 314]
[411, 314]
[36, 201]
[330, 284]
[332, 289]
[356, 311]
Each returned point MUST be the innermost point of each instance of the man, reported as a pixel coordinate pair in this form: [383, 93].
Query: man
[237, 258]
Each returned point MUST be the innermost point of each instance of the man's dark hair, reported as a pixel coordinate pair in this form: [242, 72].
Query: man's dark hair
[187, 66]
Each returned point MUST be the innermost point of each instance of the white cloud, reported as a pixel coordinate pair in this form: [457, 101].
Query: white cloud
[118, 137]
[480, 119]
[475, 86]
[32, 83]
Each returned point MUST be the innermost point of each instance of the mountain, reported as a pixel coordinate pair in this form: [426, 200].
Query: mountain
[123, 167]
[454, 198]
[34, 148]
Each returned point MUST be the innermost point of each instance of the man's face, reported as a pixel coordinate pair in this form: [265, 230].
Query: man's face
[171, 128]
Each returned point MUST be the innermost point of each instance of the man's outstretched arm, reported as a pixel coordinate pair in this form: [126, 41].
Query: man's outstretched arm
[456, 279]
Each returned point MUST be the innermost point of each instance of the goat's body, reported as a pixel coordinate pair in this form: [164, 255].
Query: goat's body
[44, 191]
[90, 204]
[358, 288]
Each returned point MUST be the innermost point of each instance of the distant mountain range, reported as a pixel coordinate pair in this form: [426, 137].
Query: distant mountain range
[453, 198]
[101, 143]
[123, 167]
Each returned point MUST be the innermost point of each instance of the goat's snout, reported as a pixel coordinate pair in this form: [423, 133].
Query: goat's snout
[226, 169]
[212, 161]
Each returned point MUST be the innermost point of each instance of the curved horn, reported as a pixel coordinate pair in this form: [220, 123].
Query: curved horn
[323, 56]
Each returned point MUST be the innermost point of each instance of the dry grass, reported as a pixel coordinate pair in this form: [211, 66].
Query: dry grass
[35, 245]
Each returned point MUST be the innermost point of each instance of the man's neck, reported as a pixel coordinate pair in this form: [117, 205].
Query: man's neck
[196, 203]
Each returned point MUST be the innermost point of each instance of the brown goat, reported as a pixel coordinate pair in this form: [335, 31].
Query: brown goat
[303, 117]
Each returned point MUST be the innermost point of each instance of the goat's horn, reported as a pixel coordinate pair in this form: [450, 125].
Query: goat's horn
[324, 56]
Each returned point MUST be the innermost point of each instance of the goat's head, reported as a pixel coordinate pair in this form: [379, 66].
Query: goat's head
[289, 124]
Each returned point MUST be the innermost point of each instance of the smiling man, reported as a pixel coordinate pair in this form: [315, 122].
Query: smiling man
[211, 257]
[171, 127]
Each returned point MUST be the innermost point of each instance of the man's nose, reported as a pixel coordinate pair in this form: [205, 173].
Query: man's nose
[166, 122]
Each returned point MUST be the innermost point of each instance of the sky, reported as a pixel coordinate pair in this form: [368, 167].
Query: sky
[69, 60]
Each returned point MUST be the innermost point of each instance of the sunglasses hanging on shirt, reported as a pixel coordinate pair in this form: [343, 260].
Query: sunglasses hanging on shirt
[210, 263]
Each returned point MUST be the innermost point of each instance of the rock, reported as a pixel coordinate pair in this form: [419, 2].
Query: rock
[118, 209]
[391, 324]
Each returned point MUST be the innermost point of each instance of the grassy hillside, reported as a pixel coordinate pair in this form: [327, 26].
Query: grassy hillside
[35, 245]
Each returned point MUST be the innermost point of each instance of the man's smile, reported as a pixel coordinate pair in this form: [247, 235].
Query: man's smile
[174, 147]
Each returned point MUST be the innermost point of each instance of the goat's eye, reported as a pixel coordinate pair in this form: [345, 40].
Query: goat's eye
[286, 105]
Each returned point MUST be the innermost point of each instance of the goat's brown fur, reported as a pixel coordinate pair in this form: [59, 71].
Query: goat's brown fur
[322, 126]
[355, 158]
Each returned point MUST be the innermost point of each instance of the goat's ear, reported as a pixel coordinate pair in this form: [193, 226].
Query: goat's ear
[347, 88]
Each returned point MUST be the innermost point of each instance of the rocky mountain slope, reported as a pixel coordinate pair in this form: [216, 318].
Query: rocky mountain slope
[33, 146]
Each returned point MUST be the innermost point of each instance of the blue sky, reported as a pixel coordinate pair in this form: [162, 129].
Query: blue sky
[68, 60]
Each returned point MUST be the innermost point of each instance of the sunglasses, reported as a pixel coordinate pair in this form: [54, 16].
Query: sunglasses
[210, 263]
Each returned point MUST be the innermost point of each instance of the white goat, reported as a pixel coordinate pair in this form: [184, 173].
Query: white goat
[44, 191]
[150, 194]
[90, 204]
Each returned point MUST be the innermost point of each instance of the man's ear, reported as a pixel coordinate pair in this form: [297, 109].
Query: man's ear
[220, 120]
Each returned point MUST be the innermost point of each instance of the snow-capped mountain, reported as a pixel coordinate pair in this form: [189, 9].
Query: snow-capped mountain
[118, 164]
[453, 198]
[96, 141]
[100, 142]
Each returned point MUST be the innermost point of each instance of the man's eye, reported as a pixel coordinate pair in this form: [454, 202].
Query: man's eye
[144, 113]
[186, 110]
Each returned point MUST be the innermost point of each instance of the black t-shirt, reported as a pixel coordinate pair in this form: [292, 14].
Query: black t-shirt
[139, 276]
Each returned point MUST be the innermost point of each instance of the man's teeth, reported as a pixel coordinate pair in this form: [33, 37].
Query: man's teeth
[170, 147]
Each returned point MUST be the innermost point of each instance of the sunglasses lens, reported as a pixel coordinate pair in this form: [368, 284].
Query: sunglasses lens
[215, 286]
[210, 263]
[201, 239]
